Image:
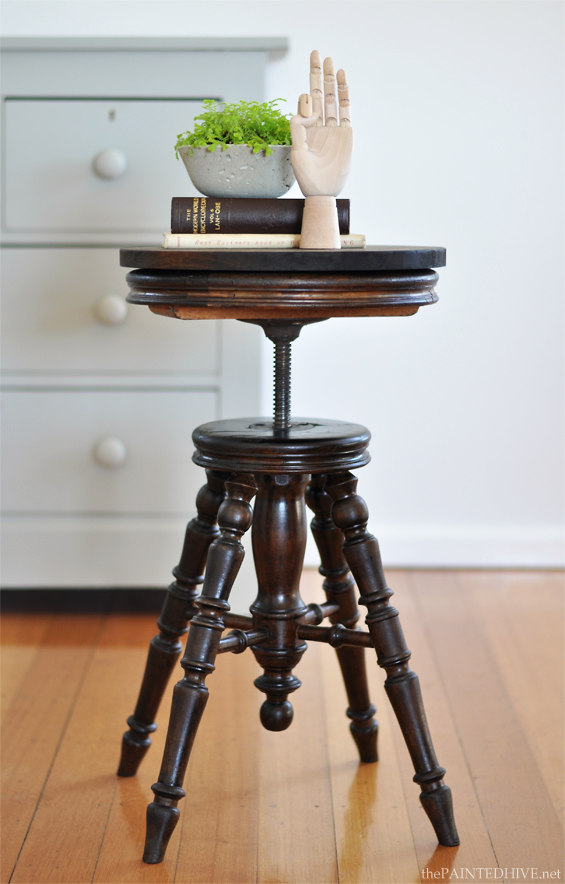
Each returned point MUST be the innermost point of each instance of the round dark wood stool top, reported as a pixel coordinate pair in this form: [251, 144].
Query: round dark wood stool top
[371, 258]
[252, 445]
[252, 284]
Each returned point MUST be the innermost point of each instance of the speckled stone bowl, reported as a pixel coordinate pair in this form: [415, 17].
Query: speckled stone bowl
[238, 172]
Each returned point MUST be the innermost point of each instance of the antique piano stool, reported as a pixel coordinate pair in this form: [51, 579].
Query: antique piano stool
[283, 464]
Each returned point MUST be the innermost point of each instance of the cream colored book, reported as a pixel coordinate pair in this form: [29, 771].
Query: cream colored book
[248, 241]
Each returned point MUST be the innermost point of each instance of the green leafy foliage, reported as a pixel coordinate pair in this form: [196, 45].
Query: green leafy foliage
[248, 122]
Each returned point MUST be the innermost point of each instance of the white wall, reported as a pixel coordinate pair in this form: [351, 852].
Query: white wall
[458, 113]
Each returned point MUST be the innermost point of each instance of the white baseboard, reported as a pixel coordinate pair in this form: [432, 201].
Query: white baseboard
[467, 547]
[103, 552]
[92, 552]
[121, 552]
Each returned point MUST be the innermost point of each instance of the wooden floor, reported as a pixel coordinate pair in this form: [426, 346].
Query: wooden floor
[295, 806]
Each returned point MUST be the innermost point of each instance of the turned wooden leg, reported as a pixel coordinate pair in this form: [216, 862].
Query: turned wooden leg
[340, 588]
[361, 551]
[279, 541]
[191, 694]
[178, 608]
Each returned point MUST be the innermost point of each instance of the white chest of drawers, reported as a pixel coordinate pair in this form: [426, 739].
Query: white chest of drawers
[99, 398]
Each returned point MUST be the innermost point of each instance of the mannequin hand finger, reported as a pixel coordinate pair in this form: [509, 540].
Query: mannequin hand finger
[305, 105]
[330, 100]
[316, 85]
[298, 133]
[344, 103]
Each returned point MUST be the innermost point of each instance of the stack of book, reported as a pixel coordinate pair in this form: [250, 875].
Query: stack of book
[227, 223]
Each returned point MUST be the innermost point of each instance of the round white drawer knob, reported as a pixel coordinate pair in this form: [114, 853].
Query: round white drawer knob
[110, 452]
[110, 164]
[111, 310]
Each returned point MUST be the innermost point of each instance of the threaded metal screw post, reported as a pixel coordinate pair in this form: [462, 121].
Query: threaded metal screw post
[282, 385]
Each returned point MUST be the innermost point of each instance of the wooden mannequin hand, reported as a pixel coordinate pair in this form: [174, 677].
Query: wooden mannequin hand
[321, 149]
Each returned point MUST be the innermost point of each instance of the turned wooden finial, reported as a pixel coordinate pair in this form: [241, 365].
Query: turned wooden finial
[321, 151]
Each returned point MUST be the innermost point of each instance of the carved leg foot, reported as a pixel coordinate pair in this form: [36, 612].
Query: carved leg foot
[340, 588]
[361, 551]
[178, 608]
[161, 820]
[191, 694]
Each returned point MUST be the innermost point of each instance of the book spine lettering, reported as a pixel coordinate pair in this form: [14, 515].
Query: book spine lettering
[205, 215]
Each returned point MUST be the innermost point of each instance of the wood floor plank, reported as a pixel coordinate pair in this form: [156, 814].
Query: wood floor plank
[120, 859]
[219, 837]
[297, 839]
[20, 636]
[505, 602]
[373, 836]
[522, 823]
[36, 721]
[475, 850]
[65, 840]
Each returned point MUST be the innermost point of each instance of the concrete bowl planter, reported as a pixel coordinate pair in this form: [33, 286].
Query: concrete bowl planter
[238, 172]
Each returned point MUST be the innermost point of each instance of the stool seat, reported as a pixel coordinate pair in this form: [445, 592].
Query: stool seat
[309, 445]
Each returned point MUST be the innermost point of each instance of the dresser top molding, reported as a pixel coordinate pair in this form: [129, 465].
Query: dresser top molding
[144, 44]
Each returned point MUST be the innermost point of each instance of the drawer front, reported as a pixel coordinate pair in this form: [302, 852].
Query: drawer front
[51, 182]
[55, 444]
[56, 315]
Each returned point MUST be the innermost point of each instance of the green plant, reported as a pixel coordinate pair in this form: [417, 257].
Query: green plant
[248, 122]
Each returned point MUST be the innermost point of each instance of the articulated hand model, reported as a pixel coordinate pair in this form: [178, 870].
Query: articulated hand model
[321, 152]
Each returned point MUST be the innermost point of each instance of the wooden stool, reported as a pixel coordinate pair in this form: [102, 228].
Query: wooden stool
[283, 463]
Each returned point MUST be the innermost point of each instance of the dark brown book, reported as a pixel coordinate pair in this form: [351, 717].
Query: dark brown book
[202, 214]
